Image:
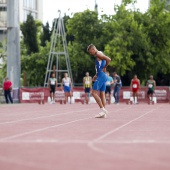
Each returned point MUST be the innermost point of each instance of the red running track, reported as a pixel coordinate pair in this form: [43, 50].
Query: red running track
[68, 137]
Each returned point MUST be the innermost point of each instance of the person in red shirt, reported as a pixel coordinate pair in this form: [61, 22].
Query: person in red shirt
[7, 87]
[135, 85]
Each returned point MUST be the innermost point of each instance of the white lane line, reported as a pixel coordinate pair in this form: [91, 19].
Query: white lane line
[4, 115]
[49, 127]
[43, 129]
[122, 126]
[70, 141]
[22, 162]
[41, 117]
[100, 150]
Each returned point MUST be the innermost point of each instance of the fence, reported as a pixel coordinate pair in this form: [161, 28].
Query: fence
[31, 95]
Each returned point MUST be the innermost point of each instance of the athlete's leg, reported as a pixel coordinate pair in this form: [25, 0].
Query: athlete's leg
[137, 94]
[115, 94]
[70, 95]
[109, 97]
[53, 96]
[133, 97]
[6, 96]
[86, 97]
[9, 96]
[118, 94]
[103, 98]
[148, 95]
[66, 97]
[97, 98]
[151, 97]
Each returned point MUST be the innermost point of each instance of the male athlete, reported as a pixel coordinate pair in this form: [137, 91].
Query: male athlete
[101, 63]
[135, 85]
[109, 82]
[52, 84]
[151, 84]
[87, 83]
[66, 84]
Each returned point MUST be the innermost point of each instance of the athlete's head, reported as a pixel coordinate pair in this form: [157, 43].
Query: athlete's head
[87, 73]
[151, 77]
[114, 74]
[53, 75]
[65, 74]
[135, 76]
[108, 73]
[91, 49]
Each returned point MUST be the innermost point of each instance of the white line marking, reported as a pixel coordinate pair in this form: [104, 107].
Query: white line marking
[42, 129]
[21, 162]
[122, 126]
[41, 117]
[48, 141]
[92, 143]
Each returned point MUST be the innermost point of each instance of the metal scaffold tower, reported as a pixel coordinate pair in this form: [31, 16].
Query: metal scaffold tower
[58, 60]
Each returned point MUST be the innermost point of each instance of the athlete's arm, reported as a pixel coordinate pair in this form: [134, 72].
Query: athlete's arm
[139, 83]
[112, 82]
[90, 82]
[131, 84]
[71, 84]
[147, 83]
[84, 82]
[62, 82]
[56, 83]
[49, 84]
[154, 85]
[94, 78]
[104, 57]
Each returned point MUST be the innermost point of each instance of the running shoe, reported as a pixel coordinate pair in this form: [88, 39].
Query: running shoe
[101, 115]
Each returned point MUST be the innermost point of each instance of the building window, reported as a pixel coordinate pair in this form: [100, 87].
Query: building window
[3, 17]
[3, 1]
[31, 4]
[27, 12]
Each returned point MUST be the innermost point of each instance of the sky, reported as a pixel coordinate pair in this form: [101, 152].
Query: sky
[51, 7]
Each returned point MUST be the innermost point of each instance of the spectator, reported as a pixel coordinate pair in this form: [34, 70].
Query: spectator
[7, 87]
[117, 87]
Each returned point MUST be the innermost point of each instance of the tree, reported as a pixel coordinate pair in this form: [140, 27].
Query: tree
[86, 28]
[46, 35]
[29, 31]
[34, 66]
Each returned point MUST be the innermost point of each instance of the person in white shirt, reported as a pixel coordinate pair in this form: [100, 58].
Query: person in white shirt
[66, 85]
[109, 83]
[52, 84]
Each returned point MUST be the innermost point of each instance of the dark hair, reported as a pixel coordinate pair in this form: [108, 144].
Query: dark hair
[89, 47]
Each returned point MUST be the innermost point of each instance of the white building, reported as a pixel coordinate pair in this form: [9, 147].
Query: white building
[35, 7]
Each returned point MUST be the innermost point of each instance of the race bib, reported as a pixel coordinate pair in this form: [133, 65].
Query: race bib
[52, 82]
[135, 86]
[87, 82]
[67, 84]
[150, 85]
[107, 83]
